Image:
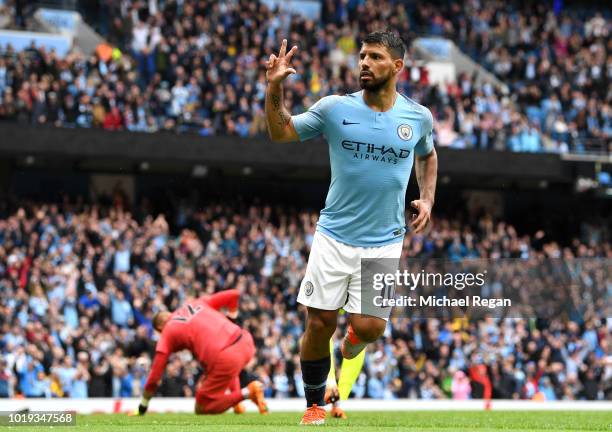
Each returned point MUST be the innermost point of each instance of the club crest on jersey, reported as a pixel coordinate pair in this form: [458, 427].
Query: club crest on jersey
[404, 131]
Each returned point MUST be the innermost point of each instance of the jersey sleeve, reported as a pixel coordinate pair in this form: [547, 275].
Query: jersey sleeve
[157, 371]
[311, 123]
[227, 299]
[425, 144]
[164, 344]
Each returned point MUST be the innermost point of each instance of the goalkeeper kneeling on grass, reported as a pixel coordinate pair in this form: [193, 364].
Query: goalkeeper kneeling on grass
[223, 349]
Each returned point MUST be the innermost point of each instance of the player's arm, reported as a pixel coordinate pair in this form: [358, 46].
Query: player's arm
[225, 299]
[278, 118]
[157, 371]
[426, 170]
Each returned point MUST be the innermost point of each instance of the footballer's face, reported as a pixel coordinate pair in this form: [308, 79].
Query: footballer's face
[377, 67]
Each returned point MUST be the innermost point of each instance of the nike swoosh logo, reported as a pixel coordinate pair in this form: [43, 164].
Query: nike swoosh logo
[344, 122]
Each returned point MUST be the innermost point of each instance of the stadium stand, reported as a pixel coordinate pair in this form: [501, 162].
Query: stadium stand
[79, 282]
[79, 285]
[198, 68]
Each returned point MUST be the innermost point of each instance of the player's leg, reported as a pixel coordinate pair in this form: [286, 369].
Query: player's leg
[314, 354]
[331, 388]
[332, 364]
[254, 390]
[351, 368]
[331, 376]
[332, 395]
[209, 400]
[211, 393]
[341, 389]
[368, 320]
[362, 330]
[211, 396]
[323, 291]
[235, 385]
[244, 353]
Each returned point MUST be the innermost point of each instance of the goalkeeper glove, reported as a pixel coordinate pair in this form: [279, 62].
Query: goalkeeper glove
[143, 406]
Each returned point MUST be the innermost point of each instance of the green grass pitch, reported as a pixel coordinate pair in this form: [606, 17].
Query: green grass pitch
[358, 421]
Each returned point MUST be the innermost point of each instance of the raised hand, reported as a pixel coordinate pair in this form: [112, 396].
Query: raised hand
[278, 67]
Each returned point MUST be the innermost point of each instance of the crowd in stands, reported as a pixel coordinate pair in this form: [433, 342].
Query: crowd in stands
[79, 285]
[556, 63]
[198, 66]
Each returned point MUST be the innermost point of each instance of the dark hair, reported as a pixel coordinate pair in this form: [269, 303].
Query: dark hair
[389, 40]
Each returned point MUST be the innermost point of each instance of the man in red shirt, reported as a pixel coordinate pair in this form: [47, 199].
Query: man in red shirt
[222, 347]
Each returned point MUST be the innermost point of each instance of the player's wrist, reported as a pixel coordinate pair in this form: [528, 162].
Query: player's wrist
[428, 201]
[276, 85]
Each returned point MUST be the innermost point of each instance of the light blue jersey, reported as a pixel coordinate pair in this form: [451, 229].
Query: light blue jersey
[371, 155]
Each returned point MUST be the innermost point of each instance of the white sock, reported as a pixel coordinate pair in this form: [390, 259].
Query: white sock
[245, 393]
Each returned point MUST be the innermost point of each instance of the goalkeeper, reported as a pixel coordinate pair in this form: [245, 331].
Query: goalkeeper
[222, 347]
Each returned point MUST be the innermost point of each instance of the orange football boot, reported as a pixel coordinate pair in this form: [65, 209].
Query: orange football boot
[256, 395]
[313, 416]
[239, 408]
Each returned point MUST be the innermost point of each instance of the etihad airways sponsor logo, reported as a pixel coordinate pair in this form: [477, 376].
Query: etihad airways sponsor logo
[367, 151]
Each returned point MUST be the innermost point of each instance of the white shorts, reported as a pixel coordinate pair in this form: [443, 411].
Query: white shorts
[333, 274]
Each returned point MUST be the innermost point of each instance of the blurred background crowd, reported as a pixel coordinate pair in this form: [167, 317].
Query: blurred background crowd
[79, 285]
[198, 66]
[80, 282]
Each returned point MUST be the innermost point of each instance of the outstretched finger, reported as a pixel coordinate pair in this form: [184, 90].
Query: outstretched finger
[422, 225]
[290, 54]
[418, 219]
[283, 49]
[271, 61]
[414, 224]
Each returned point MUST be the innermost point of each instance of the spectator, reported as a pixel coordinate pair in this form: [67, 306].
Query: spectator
[376, 386]
[461, 388]
[28, 372]
[100, 384]
[102, 317]
[6, 380]
[173, 383]
[113, 120]
[121, 309]
[81, 377]
[66, 374]
[188, 70]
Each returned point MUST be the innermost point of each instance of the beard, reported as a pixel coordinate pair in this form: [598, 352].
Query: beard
[375, 84]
